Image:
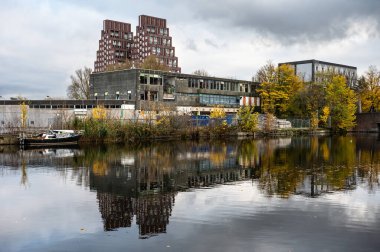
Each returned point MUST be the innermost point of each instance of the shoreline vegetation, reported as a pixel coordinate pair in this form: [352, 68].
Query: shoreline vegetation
[169, 126]
[178, 128]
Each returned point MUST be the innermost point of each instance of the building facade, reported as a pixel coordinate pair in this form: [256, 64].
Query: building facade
[117, 43]
[152, 37]
[318, 71]
[189, 93]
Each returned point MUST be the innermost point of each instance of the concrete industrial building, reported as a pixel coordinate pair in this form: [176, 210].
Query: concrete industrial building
[316, 71]
[188, 93]
[117, 43]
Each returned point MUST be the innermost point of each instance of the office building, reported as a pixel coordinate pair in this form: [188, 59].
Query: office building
[317, 71]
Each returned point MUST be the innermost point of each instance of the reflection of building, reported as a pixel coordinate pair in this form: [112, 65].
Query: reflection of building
[145, 184]
[316, 71]
[116, 210]
[153, 212]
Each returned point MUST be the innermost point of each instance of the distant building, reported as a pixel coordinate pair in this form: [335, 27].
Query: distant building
[188, 93]
[316, 71]
[152, 37]
[117, 43]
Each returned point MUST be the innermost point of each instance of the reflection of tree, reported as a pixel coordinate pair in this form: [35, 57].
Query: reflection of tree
[369, 161]
[99, 167]
[218, 154]
[24, 176]
[310, 165]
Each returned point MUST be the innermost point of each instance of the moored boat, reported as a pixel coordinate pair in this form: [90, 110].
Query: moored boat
[52, 138]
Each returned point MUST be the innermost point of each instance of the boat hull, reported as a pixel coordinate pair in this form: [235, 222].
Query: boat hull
[71, 140]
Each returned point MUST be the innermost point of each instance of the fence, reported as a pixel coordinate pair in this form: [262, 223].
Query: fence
[299, 123]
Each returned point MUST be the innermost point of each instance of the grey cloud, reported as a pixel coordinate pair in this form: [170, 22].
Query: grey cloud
[290, 21]
[211, 43]
[191, 45]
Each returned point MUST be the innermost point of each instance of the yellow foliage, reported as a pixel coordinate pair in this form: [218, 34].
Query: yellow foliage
[325, 114]
[314, 120]
[24, 113]
[218, 112]
[100, 168]
[99, 113]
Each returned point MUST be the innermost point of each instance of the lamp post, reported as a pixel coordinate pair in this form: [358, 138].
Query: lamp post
[3, 111]
[105, 95]
[96, 99]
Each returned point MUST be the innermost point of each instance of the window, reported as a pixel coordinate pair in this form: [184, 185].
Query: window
[143, 79]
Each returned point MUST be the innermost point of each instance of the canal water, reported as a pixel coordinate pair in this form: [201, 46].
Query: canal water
[285, 194]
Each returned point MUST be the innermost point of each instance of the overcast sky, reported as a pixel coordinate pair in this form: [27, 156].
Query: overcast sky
[43, 42]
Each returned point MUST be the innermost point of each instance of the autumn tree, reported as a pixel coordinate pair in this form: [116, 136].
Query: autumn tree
[341, 101]
[369, 90]
[279, 89]
[80, 84]
[266, 73]
[24, 114]
[152, 62]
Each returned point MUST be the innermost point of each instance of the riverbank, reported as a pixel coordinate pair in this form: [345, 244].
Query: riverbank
[139, 134]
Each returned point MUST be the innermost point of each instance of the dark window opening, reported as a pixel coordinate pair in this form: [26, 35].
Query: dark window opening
[143, 79]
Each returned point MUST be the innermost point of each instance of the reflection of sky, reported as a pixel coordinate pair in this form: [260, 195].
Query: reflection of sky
[47, 210]
[252, 222]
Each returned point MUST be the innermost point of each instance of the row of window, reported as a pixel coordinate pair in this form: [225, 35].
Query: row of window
[219, 85]
[162, 51]
[159, 41]
[45, 106]
[152, 80]
[161, 31]
[218, 99]
[335, 69]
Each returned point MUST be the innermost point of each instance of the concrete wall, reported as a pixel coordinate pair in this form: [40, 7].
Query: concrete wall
[368, 122]
[112, 82]
[40, 118]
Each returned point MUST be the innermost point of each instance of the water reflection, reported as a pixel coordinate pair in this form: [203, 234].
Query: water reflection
[141, 183]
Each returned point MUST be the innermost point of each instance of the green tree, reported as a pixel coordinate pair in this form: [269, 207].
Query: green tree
[80, 84]
[248, 120]
[341, 101]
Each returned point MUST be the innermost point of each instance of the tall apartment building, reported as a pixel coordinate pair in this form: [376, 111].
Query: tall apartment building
[316, 70]
[152, 37]
[115, 44]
